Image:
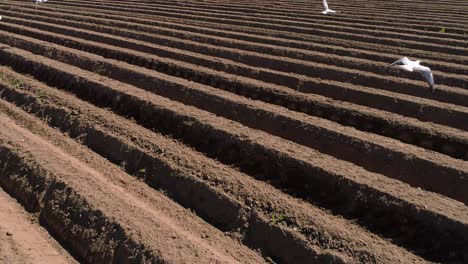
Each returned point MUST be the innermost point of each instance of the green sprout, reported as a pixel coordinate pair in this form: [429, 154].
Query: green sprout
[16, 83]
[41, 94]
[277, 218]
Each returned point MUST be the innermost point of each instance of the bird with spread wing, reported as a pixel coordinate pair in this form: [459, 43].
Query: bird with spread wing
[415, 66]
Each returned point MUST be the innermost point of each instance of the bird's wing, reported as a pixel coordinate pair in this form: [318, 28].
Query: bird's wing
[402, 61]
[325, 4]
[406, 67]
[426, 73]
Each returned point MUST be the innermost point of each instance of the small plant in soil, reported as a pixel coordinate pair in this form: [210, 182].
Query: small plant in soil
[442, 30]
[163, 191]
[41, 94]
[277, 218]
[16, 83]
[142, 171]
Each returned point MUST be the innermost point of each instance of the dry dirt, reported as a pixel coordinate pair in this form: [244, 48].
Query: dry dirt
[23, 240]
[232, 132]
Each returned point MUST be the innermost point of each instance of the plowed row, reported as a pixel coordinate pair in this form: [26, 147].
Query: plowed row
[237, 131]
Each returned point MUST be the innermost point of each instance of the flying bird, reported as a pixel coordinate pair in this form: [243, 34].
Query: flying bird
[327, 10]
[409, 65]
[39, 2]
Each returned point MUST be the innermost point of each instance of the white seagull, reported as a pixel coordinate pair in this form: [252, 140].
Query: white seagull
[40, 2]
[409, 65]
[327, 10]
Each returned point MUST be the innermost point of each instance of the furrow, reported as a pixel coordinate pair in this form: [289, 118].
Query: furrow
[192, 180]
[23, 239]
[166, 7]
[93, 215]
[301, 29]
[282, 163]
[381, 31]
[311, 69]
[279, 122]
[288, 35]
[234, 131]
[361, 21]
[278, 42]
[293, 52]
[435, 56]
[300, 10]
[301, 15]
[313, 105]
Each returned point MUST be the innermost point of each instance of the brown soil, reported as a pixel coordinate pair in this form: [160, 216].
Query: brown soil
[93, 214]
[23, 240]
[248, 132]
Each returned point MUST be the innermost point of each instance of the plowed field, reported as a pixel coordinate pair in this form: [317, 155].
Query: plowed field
[233, 131]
